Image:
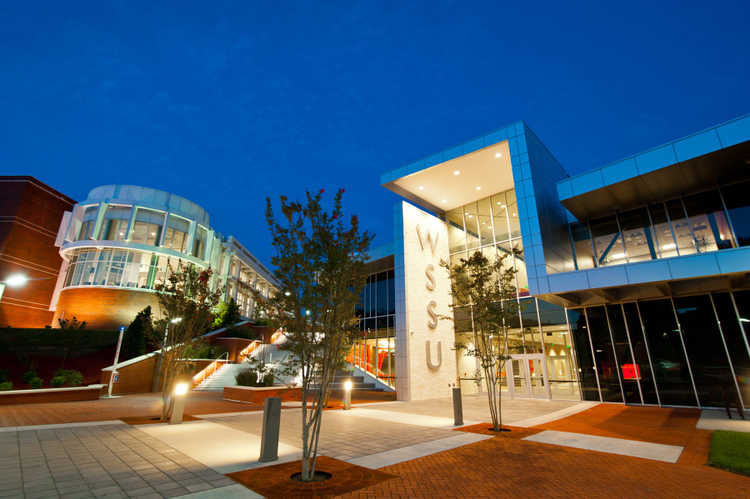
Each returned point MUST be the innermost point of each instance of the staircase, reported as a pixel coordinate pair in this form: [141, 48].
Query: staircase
[358, 382]
[223, 376]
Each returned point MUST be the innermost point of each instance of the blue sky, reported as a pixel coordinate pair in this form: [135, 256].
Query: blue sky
[226, 103]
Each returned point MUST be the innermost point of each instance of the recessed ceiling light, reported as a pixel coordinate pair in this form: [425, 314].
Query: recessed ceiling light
[498, 155]
[421, 187]
[471, 216]
[502, 206]
[479, 188]
[514, 215]
[456, 172]
[445, 200]
[153, 233]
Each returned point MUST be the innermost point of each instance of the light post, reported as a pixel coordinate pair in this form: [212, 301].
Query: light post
[163, 345]
[348, 395]
[12, 281]
[180, 392]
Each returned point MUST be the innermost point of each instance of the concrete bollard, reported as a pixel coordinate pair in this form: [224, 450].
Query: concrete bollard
[269, 440]
[458, 408]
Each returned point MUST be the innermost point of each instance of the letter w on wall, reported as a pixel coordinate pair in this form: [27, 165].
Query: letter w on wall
[428, 239]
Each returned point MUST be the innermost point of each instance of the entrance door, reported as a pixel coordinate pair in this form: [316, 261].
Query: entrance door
[529, 375]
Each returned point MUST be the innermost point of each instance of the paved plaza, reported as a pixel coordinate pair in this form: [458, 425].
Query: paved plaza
[80, 450]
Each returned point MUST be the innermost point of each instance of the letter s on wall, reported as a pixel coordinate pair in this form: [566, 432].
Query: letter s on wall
[430, 277]
[432, 323]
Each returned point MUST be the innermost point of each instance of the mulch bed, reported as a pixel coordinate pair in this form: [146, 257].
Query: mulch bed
[135, 421]
[275, 481]
[515, 433]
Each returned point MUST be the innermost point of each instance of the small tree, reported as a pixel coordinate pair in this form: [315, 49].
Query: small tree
[187, 303]
[134, 340]
[228, 314]
[70, 335]
[487, 291]
[320, 268]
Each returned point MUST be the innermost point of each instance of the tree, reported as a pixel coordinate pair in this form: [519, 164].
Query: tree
[228, 314]
[187, 304]
[70, 335]
[486, 290]
[134, 340]
[320, 269]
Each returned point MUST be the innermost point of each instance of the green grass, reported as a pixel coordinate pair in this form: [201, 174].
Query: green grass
[730, 450]
[48, 341]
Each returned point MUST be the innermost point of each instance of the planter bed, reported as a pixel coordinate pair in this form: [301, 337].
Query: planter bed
[257, 395]
[47, 395]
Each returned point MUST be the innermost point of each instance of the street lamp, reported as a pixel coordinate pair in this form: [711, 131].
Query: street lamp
[12, 281]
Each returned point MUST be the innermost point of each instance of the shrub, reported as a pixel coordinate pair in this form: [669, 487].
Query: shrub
[57, 381]
[28, 376]
[268, 379]
[6, 387]
[246, 377]
[134, 340]
[3, 375]
[70, 376]
[36, 383]
[227, 314]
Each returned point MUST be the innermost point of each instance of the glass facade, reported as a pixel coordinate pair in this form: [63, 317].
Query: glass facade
[684, 351]
[108, 267]
[490, 225]
[375, 351]
[712, 220]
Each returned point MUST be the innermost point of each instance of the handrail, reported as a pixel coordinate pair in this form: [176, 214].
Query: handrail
[209, 370]
[247, 350]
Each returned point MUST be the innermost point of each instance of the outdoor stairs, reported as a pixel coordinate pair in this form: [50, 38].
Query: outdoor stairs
[358, 382]
[224, 376]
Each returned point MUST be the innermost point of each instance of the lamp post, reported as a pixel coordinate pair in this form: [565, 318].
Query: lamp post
[180, 391]
[347, 395]
[12, 281]
[161, 356]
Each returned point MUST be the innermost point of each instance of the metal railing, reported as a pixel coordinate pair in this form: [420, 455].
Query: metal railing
[209, 370]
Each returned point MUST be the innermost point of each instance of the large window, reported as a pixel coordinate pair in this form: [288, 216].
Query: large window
[375, 350]
[115, 226]
[87, 225]
[698, 223]
[147, 227]
[107, 267]
[176, 235]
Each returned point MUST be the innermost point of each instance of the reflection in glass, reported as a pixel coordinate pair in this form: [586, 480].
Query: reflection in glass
[585, 258]
[738, 205]
[587, 373]
[456, 236]
[485, 222]
[738, 349]
[500, 215]
[628, 370]
[708, 221]
[471, 221]
[705, 349]
[638, 344]
[663, 230]
[561, 370]
[607, 241]
[606, 365]
[513, 219]
[520, 263]
[667, 355]
[681, 227]
[637, 235]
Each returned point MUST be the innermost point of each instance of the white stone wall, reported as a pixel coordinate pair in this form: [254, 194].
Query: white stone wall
[425, 382]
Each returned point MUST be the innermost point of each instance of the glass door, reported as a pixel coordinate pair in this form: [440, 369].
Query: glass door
[529, 374]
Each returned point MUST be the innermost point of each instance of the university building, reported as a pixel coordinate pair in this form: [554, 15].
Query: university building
[632, 277]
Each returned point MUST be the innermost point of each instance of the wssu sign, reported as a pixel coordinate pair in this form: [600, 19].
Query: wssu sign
[429, 271]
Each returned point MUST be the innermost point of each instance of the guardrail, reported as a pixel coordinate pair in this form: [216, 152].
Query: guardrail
[208, 371]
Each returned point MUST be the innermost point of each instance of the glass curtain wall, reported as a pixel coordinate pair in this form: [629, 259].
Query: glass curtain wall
[107, 267]
[115, 226]
[375, 350]
[698, 223]
[688, 351]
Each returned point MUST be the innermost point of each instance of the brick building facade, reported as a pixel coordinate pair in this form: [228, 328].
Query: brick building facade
[30, 215]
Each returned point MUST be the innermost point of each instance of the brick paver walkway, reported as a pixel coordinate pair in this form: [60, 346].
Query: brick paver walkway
[511, 468]
[138, 405]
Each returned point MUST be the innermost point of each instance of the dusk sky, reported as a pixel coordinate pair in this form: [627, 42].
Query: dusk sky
[225, 103]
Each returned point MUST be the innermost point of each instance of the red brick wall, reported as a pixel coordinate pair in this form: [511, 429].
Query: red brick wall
[135, 378]
[104, 308]
[63, 395]
[252, 395]
[30, 216]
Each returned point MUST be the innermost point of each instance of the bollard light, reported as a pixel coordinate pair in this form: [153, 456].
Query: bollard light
[180, 390]
[347, 395]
